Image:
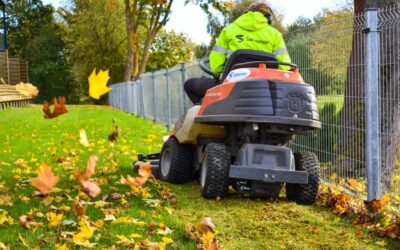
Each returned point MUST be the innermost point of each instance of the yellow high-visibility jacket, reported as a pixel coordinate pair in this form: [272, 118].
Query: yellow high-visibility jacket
[249, 31]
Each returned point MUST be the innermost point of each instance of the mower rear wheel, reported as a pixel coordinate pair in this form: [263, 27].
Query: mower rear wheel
[305, 193]
[214, 177]
[175, 162]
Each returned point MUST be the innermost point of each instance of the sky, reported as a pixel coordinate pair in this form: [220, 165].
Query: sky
[191, 20]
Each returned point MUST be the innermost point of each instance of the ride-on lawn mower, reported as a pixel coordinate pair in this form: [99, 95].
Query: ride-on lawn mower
[238, 135]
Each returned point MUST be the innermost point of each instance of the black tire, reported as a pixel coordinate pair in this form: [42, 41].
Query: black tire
[214, 177]
[305, 194]
[175, 162]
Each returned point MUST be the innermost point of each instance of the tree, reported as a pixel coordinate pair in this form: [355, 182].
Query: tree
[169, 49]
[151, 15]
[36, 37]
[353, 112]
[95, 37]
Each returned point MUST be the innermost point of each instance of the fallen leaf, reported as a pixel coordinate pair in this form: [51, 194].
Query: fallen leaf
[5, 199]
[25, 220]
[61, 247]
[86, 232]
[45, 180]
[98, 84]
[59, 108]
[206, 224]
[375, 206]
[55, 219]
[78, 208]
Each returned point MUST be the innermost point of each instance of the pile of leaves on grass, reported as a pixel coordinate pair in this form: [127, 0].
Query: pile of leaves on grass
[347, 199]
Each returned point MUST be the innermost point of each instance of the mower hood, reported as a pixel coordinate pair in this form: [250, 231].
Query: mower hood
[251, 21]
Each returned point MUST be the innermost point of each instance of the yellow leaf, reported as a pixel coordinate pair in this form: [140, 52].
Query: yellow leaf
[61, 247]
[355, 184]
[333, 177]
[135, 236]
[84, 141]
[167, 240]
[82, 238]
[98, 84]
[55, 219]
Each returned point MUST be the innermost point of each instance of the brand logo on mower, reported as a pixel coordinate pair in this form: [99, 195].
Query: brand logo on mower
[238, 74]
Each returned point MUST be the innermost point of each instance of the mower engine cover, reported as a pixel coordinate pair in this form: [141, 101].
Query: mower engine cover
[261, 95]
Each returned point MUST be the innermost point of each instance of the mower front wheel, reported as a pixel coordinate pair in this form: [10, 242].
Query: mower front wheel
[305, 194]
[175, 162]
[214, 177]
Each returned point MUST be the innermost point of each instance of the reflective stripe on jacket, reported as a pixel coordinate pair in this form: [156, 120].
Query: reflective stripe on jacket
[249, 31]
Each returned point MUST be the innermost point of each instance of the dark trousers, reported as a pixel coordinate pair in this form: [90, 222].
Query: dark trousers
[196, 88]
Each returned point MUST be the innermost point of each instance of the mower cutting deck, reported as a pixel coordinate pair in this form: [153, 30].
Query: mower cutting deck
[238, 135]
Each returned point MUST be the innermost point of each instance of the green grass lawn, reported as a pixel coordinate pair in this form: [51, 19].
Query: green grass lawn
[28, 139]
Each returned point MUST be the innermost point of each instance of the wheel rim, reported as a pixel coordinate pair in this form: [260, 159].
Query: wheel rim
[203, 172]
[166, 162]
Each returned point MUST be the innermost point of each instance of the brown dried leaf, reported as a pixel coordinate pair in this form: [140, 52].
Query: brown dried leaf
[114, 135]
[90, 188]
[78, 208]
[25, 220]
[59, 108]
[206, 224]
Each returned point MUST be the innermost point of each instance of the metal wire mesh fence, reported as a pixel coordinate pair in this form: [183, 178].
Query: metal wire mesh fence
[354, 68]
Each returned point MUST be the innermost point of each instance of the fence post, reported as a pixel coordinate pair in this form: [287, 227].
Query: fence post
[183, 74]
[168, 107]
[372, 150]
[153, 86]
[142, 97]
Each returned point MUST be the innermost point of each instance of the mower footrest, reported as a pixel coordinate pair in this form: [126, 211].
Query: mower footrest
[268, 175]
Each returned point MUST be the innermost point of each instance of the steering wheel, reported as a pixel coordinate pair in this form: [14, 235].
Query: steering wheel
[205, 66]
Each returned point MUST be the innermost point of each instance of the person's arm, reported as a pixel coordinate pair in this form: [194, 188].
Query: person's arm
[219, 54]
[281, 52]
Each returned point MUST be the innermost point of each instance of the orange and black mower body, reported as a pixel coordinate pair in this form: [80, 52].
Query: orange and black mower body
[239, 134]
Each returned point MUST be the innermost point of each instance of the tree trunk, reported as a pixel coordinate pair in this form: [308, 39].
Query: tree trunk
[131, 45]
[351, 143]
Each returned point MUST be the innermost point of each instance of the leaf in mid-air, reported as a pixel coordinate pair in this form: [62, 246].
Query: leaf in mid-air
[27, 89]
[90, 188]
[59, 108]
[98, 84]
[144, 174]
[83, 138]
[45, 180]
[114, 135]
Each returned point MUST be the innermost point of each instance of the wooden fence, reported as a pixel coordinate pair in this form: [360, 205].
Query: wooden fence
[13, 70]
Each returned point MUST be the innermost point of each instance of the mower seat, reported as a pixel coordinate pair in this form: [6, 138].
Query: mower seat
[246, 56]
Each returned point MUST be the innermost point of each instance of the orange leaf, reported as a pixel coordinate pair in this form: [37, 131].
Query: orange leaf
[90, 188]
[25, 220]
[378, 205]
[355, 184]
[144, 174]
[78, 208]
[45, 180]
[206, 224]
[59, 108]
